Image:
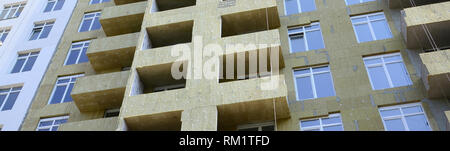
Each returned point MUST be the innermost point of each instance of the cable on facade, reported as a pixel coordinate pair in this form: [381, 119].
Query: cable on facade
[427, 31]
[275, 115]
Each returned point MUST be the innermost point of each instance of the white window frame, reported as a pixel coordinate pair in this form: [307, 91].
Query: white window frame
[298, 6]
[96, 14]
[256, 125]
[11, 90]
[100, 1]
[2, 33]
[17, 6]
[321, 125]
[26, 57]
[311, 75]
[60, 84]
[369, 22]
[386, 71]
[42, 27]
[53, 119]
[304, 31]
[402, 115]
[360, 1]
[86, 44]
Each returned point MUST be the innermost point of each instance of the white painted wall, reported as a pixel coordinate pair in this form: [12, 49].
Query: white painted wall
[17, 41]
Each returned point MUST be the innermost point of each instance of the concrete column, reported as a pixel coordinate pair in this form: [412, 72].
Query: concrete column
[200, 119]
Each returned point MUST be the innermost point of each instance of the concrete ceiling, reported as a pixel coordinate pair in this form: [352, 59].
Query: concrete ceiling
[174, 4]
[250, 21]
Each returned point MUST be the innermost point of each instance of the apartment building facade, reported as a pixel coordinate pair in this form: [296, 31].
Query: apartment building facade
[332, 65]
[30, 32]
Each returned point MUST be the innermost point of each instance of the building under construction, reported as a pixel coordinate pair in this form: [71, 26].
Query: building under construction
[353, 65]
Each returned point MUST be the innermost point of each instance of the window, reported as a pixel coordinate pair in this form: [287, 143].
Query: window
[3, 34]
[41, 31]
[387, 71]
[352, 2]
[77, 53]
[305, 38]
[54, 5]
[269, 126]
[331, 123]
[25, 62]
[62, 89]
[8, 97]
[90, 22]
[99, 1]
[51, 124]
[371, 27]
[408, 117]
[313, 83]
[112, 113]
[299, 6]
[12, 11]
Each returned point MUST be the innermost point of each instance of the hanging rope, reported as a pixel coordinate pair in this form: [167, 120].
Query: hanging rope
[267, 19]
[275, 115]
[428, 34]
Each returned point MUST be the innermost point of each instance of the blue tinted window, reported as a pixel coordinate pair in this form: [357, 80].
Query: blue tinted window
[62, 90]
[299, 6]
[18, 66]
[77, 53]
[371, 27]
[58, 94]
[10, 101]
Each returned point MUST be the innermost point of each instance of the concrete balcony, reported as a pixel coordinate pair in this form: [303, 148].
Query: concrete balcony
[244, 22]
[100, 92]
[435, 17]
[248, 102]
[398, 4]
[123, 19]
[164, 5]
[103, 124]
[252, 102]
[168, 35]
[436, 73]
[156, 56]
[113, 52]
[156, 111]
[266, 41]
[123, 2]
[168, 121]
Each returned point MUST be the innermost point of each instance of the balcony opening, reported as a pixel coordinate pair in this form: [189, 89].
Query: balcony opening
[407, 3]
[111, 113]
[163, 5]
[252, 115]
[245, 65]
[168, 121]
[153, 79]
[265, 126]
[438, 49]
[123, 2]
[168, 35]
[250, 22]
